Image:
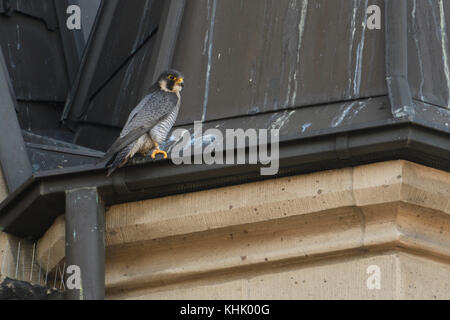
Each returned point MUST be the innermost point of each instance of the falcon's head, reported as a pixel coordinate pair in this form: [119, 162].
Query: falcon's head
[171, 81]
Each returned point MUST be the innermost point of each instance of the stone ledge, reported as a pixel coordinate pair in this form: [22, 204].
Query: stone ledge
[395, 204]
[280, 198]
[291, 240]
[403, 276]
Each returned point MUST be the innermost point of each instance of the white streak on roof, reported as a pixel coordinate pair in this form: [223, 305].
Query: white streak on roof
[301, 31]
[208, 68]
[444, 42]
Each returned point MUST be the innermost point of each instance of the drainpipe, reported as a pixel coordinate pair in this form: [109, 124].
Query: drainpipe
[85, 245]
[397, 59]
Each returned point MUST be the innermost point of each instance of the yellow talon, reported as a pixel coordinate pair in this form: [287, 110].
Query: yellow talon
[158, 151]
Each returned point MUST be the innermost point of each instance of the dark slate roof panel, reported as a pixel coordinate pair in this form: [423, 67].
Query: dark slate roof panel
[42, 117]
[131, 27]
[42, 9]
[112, 105]
[429, 51]
[276, 55]
[35, 59]
[51, 154]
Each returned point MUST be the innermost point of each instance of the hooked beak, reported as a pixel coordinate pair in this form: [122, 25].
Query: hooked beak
[180, 82]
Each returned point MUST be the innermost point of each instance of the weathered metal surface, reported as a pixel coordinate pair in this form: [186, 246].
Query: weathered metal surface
[44, 158]
[42, 9]
[141, 20]
[169, 28]
[13, 155]
[49, 154]
[429, 114]
[36, 139]
[150, 51]
[126, 85]
[34, 57]
[42, 56]
[429, 51]
[397, 59]
[89, 9]
[40, 117]
[110, 48]
[154, 56]
[95, 136]
[73, 42]
[85, 242]
[263, 61]
[275, 55]
[342, 138]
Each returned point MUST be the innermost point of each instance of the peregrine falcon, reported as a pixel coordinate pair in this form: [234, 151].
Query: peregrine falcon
[149, 123]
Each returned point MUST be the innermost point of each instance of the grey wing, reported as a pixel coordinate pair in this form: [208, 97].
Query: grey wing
[143, 117]
[125, 141]
[135, 111]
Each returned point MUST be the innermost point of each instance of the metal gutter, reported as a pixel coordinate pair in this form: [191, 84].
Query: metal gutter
[397, 59]
[43, 198]
[17, 168]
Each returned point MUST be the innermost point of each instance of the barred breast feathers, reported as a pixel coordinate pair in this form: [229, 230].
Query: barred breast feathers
[161, 130]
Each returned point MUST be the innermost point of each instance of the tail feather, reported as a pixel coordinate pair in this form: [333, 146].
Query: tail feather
[118, 161]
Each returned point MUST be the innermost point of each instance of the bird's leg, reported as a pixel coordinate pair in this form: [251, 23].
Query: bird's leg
[158, 151]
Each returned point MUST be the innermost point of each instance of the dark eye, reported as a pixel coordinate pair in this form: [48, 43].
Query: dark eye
[171, 77]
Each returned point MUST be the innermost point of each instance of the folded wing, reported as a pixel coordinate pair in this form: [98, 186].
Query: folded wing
[141, 120]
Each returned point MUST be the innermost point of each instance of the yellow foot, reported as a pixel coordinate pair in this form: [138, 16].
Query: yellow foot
[158, 151]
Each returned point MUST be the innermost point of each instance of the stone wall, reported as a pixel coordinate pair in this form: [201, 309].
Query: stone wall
[380, 231]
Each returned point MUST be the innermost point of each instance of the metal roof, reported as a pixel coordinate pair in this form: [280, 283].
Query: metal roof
[336, 90]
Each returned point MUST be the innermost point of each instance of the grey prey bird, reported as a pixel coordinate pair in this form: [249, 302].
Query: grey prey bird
[149, 123]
